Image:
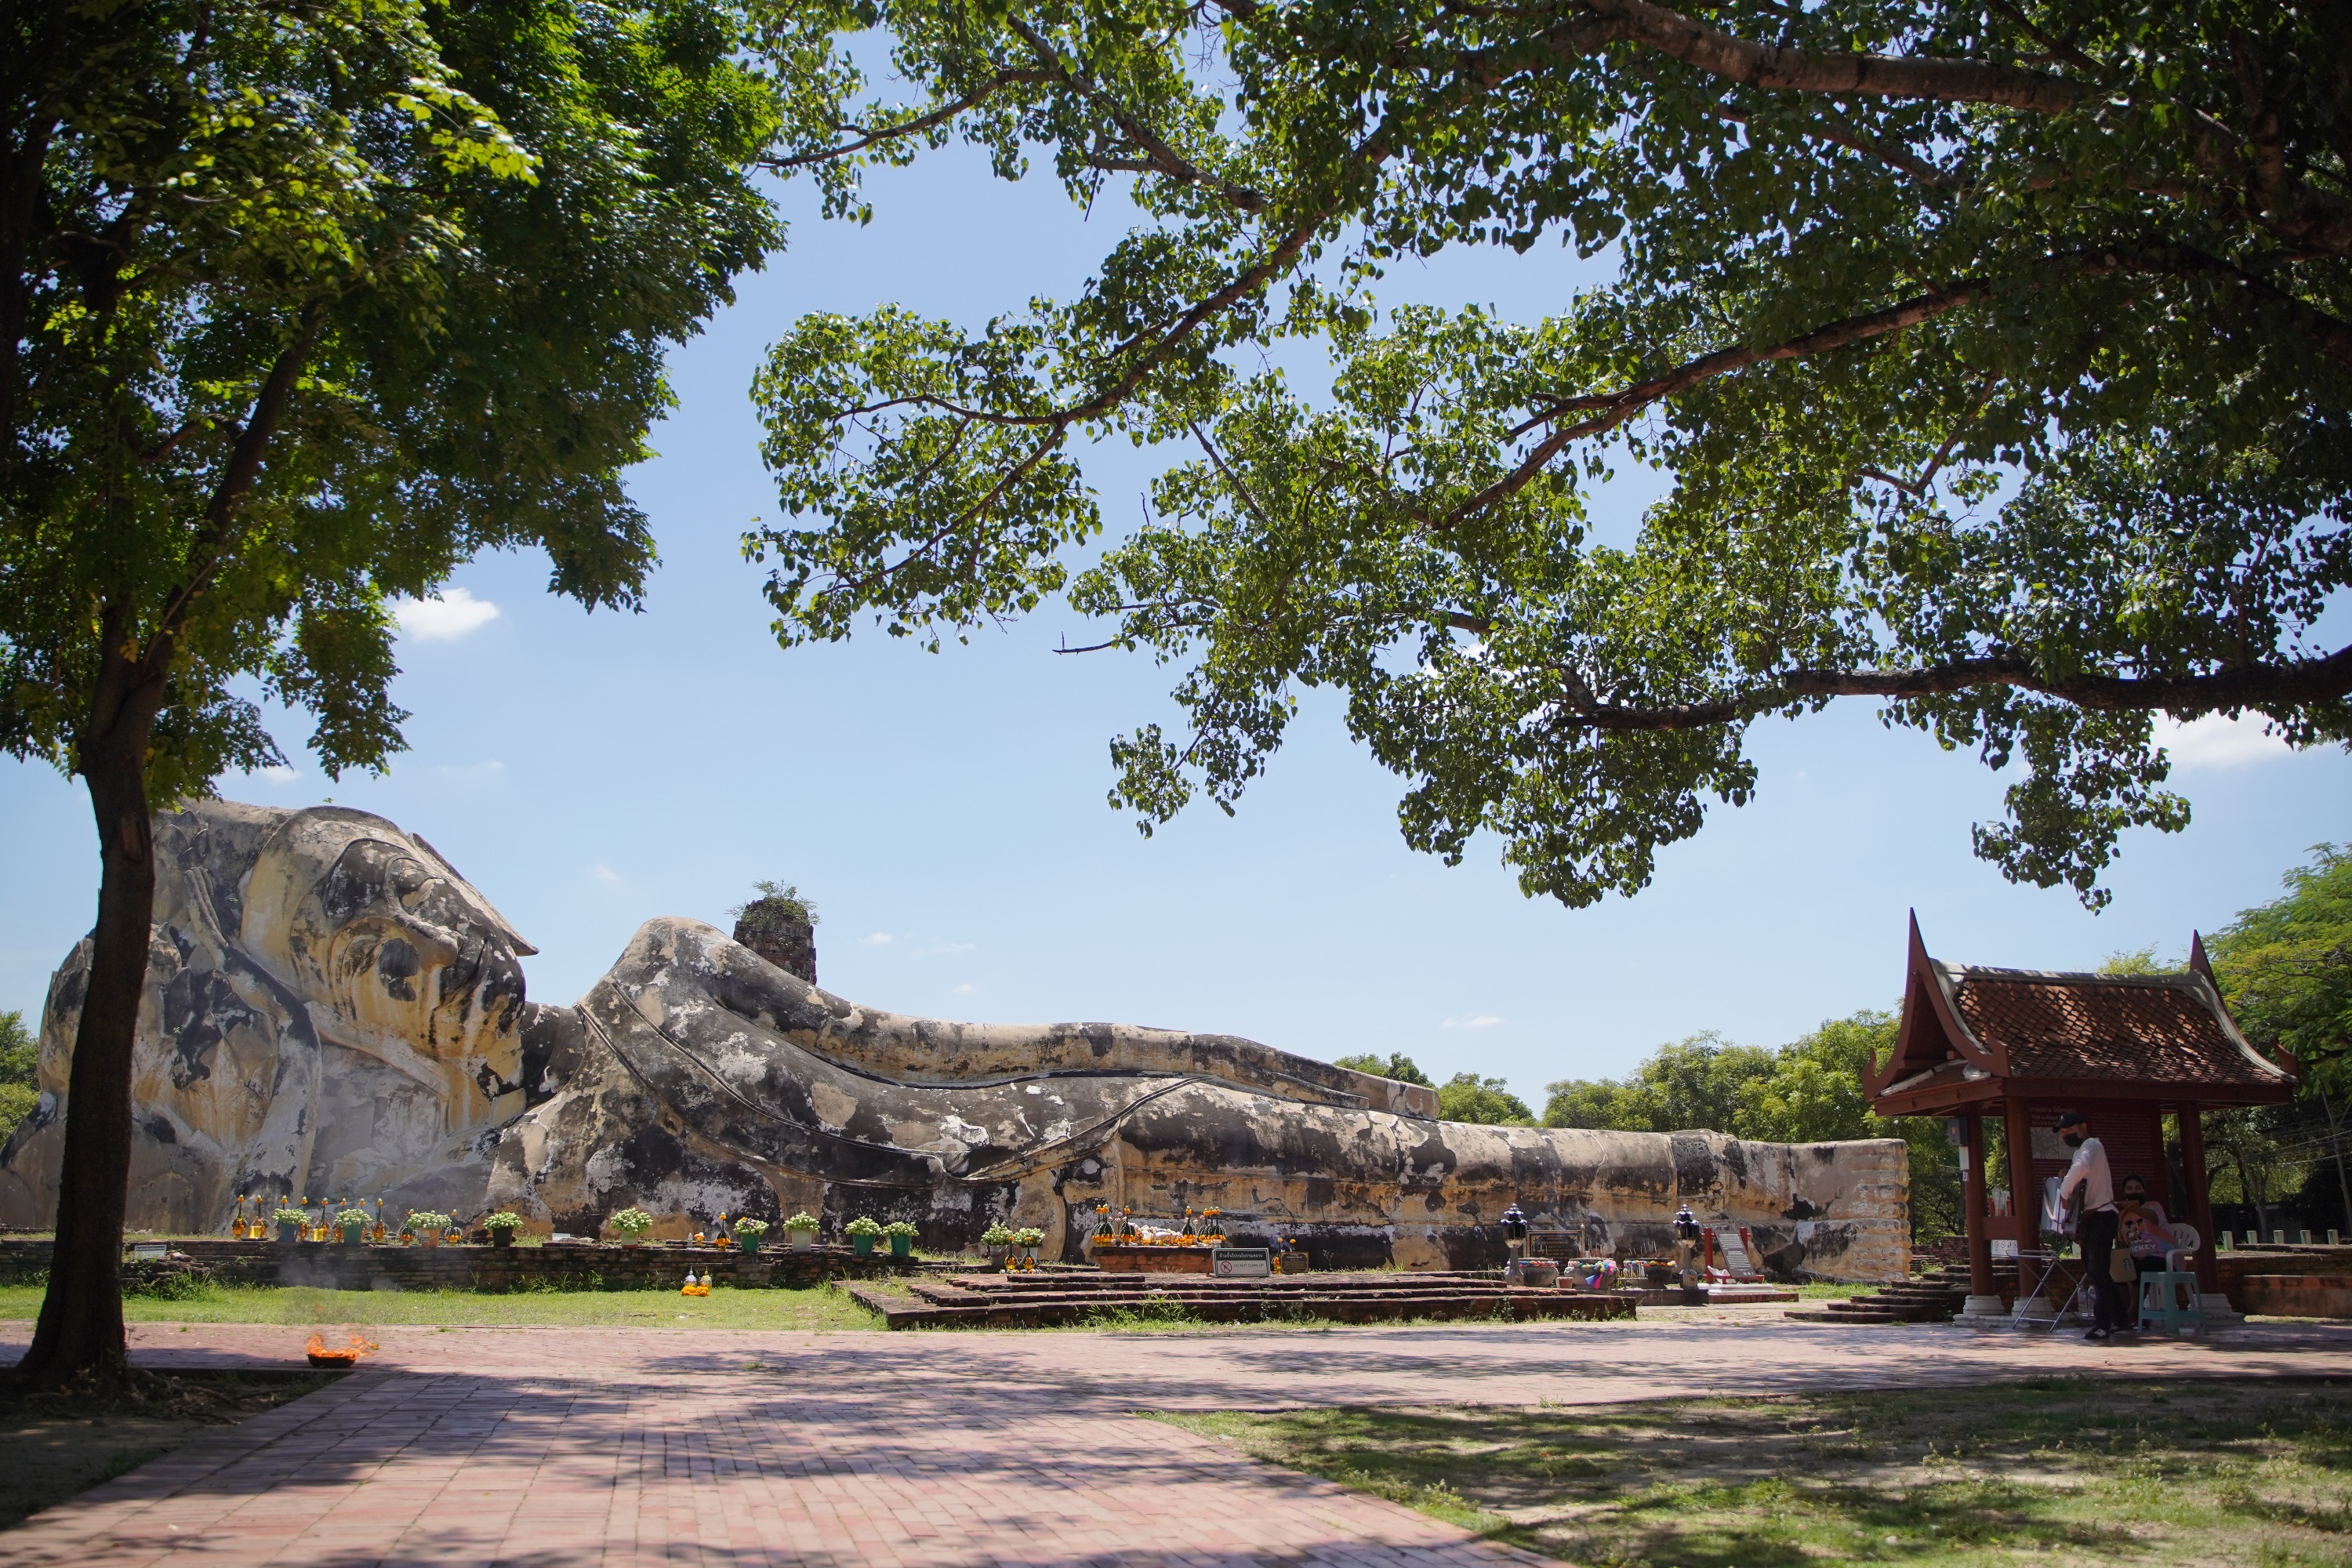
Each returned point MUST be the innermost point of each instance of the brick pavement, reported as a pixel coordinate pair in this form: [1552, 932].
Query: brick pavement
[539, 1448]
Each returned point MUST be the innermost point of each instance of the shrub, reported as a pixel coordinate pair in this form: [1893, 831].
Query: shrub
[801, 1222]
[865, 1224]
[630, 1222]
[178, 1284]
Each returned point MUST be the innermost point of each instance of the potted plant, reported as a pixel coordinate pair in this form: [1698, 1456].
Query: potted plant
[354, 1224]
[901, 1233]
[994, 1240]
[802, 1229]
[503, 1228]
[862, 1232]
[290, 1223]
[428, 1224]
[1028, 1239]
[632, 1224]
[748, 1232]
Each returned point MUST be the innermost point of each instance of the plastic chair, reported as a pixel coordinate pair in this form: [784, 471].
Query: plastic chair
[2159, 1292]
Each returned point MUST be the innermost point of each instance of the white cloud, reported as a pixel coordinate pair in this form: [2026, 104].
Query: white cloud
[278, 773]
[605, 873]
[445, 617]
[880, 939]
[947, 947]
[2218, 740]
[1477, 1021]
[965, 990]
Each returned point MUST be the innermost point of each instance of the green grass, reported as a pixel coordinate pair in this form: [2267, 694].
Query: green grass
[821, 1307]
[2049, 1472]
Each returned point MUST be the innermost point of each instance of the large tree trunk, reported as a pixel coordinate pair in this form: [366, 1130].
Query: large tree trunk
[2335, 1137]
[80, 1327]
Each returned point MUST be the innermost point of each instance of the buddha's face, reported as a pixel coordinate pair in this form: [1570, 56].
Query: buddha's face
[375, 930]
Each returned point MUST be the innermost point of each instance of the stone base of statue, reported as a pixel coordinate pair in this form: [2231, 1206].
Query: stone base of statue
[1117, 1258]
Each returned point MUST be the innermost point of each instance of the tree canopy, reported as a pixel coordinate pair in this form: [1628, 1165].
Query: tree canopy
[2286, 969]
[305, 308]
[1395, 1065]
[1997, 358]
[1467, 1097]
[20, 1061]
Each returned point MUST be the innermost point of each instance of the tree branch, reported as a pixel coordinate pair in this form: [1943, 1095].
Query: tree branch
[1613, 408]
[221, 516]
[915, 126]
[1771, 67]
[1165, 159]
[1608, 410]
[2243, 686]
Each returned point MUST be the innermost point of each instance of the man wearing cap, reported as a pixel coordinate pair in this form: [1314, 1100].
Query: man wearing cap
[2096, 1219]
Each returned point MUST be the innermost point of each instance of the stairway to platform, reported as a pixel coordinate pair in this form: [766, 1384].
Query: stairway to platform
[1065, 1297]
[1932, 1297]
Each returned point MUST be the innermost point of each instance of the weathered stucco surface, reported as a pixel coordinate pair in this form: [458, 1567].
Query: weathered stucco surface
[329, 1009]
[335, 1011]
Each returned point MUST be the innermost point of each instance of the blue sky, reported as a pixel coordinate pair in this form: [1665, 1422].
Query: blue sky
[947, 811]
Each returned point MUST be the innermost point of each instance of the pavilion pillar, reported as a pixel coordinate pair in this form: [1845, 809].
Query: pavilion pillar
[2024, 1198]
[2200, 1197]
[1973, 1207]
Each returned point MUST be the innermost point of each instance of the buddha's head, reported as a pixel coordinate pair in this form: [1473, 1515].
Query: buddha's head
[375, 929]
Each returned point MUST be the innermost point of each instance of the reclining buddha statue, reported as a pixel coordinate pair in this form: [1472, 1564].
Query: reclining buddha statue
[332, 1008]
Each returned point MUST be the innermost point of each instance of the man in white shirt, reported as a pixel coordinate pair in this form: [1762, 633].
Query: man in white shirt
[2096, 1220]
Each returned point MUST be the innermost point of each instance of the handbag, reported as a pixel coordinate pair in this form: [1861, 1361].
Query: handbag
[2120, 1267]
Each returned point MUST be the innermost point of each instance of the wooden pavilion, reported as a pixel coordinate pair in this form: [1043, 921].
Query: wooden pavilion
[2023, 1045]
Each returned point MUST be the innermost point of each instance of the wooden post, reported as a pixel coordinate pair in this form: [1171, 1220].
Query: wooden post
[2024, 1197]
[1973, 1205]
[2200, 1200]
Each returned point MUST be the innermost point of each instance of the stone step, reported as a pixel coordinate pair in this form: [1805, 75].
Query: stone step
[1809, 1315]
[1325, 1283]
[1250, 1306]
[946, 1297]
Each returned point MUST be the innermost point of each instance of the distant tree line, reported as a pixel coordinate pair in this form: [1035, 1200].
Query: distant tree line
[2285, 969]
[20, 1056]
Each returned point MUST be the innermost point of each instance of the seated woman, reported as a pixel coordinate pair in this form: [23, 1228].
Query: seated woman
[2146, 1230]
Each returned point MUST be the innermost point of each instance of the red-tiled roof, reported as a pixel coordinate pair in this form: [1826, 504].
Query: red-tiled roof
[2148, 1029]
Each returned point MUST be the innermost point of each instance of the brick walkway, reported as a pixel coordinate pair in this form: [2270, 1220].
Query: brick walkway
[535, 1447]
